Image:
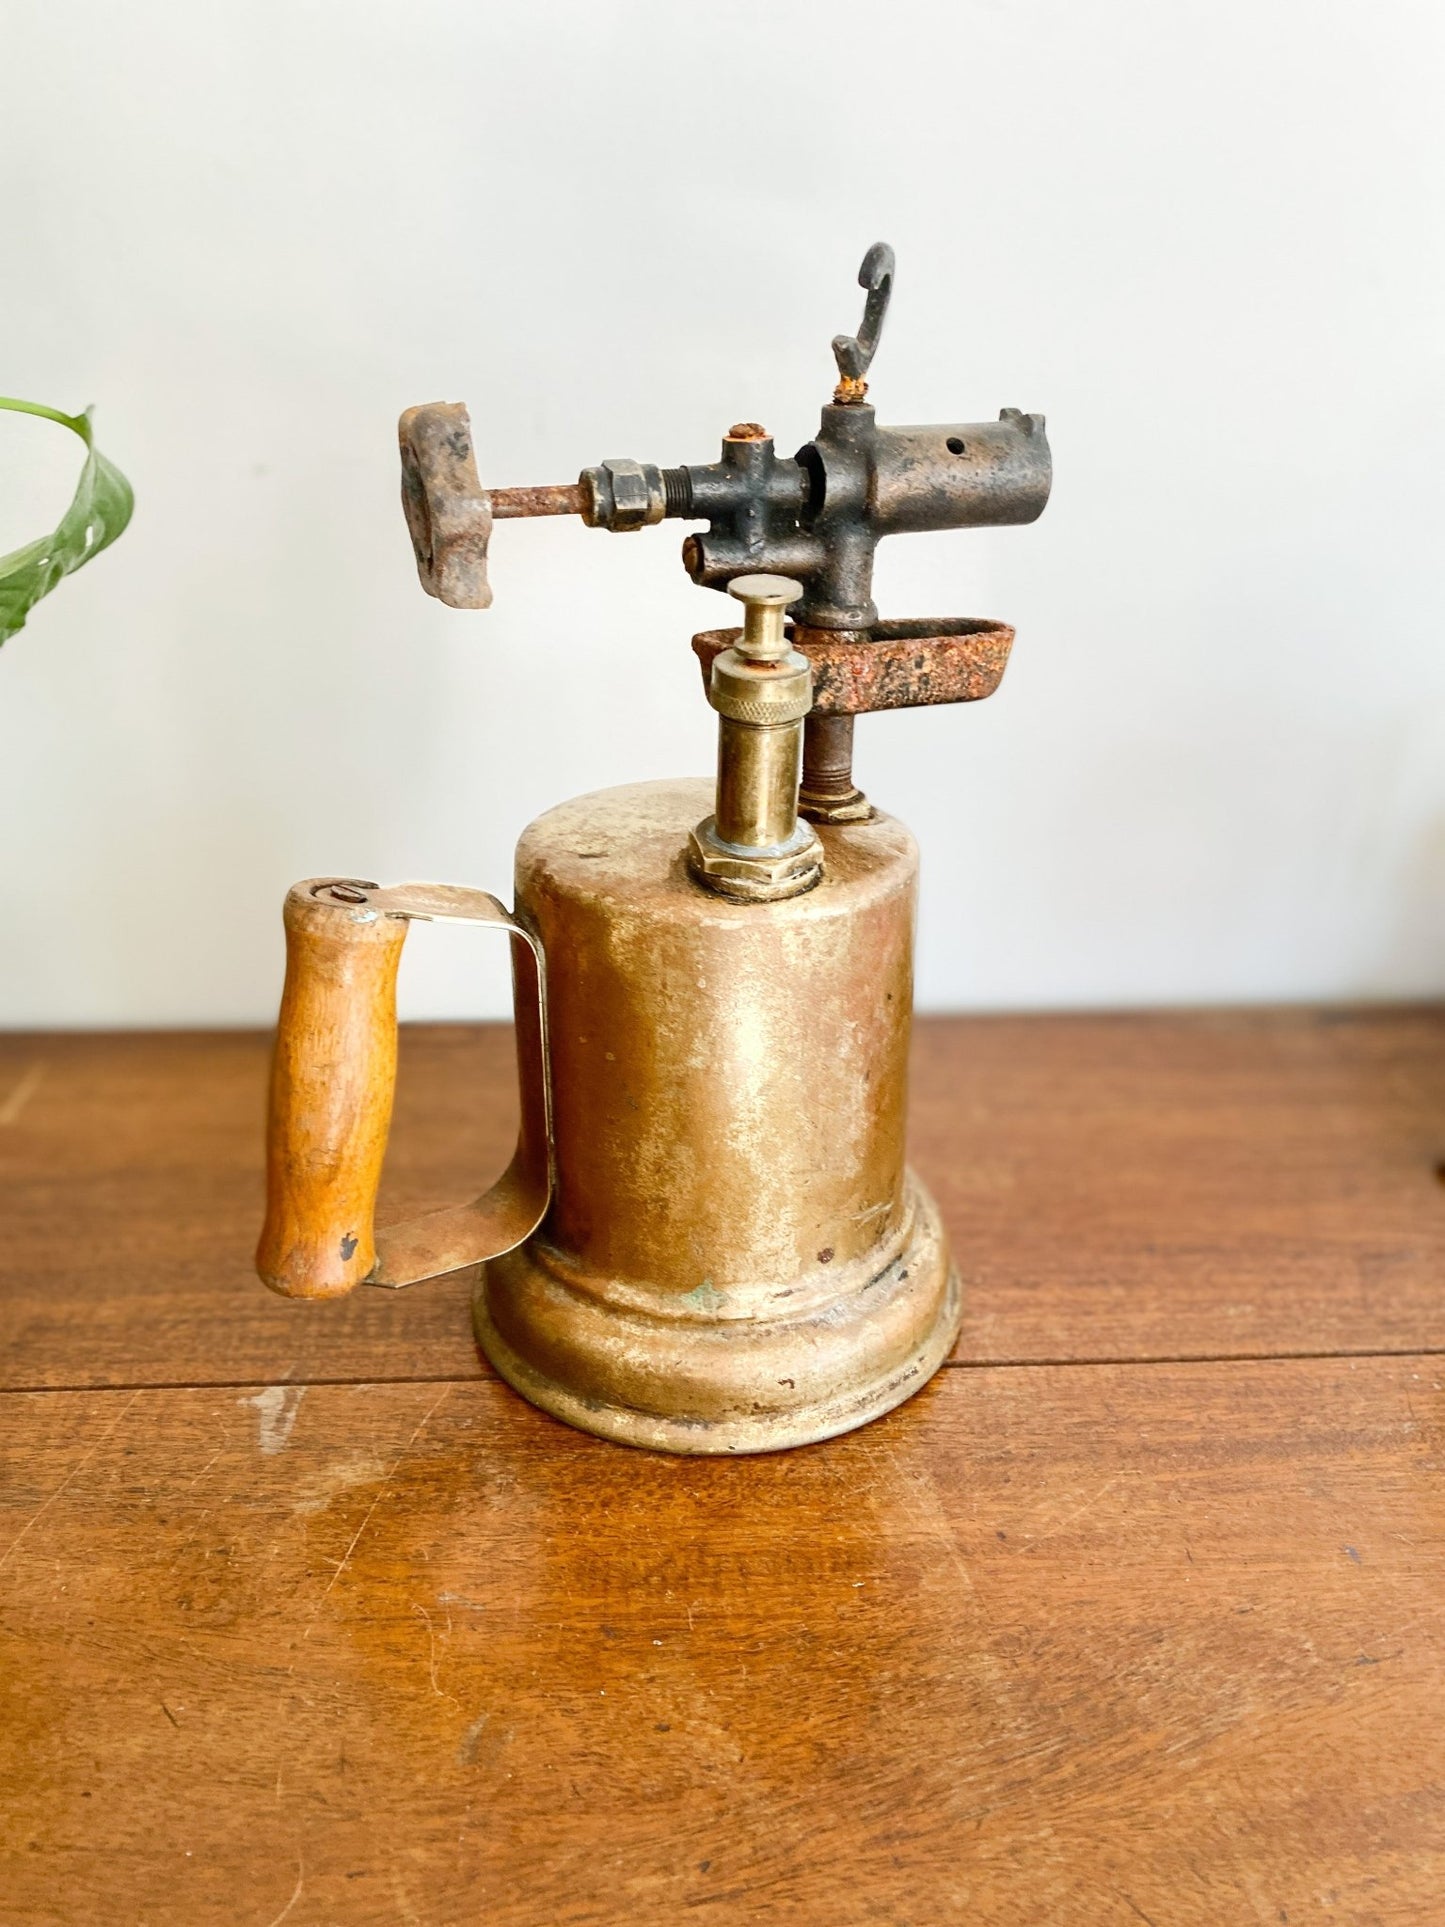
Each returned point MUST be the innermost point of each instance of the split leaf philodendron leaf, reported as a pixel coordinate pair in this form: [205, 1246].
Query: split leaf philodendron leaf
[100, 510]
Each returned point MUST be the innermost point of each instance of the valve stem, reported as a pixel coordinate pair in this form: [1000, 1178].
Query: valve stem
[827, 793]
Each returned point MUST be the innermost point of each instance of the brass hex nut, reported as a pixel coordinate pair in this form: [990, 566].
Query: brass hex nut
[621, 495]
[755, 876]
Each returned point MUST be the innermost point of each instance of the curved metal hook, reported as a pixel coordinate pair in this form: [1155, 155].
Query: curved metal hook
[854, 353]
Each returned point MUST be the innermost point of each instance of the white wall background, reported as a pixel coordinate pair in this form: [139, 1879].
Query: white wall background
[1205, 237]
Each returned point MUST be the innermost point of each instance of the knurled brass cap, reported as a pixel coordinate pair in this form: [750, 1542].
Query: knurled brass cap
[761, 693]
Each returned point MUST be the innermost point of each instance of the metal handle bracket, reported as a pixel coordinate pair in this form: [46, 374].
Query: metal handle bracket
[497, 1221]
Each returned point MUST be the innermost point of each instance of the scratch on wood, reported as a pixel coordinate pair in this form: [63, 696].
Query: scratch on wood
[1135, 1908]
[920, 1492]
[381, 1494]
[24, 1089]
[68, 1480]
[335, 1478]
[431, 1649]
[300, 1883]
[1077, 1512]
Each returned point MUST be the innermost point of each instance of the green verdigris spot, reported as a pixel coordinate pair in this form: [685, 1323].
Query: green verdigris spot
[99, 511]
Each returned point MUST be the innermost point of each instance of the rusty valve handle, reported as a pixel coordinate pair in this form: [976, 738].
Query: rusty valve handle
[332, 1083]
[449, 513]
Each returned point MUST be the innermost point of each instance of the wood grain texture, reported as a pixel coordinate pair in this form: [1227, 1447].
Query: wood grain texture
[1204, 1185]
[1086, 1642]
[1088, 1645]
[1252, 1183]
[131, 1191]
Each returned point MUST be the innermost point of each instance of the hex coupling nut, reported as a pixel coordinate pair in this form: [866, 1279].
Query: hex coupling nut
[752, 875]
[622, 495]
[753, 847]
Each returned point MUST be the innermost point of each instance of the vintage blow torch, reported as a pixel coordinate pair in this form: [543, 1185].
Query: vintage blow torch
[708, 1238]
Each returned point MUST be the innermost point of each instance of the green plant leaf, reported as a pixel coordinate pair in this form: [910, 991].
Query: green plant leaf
[99, 511]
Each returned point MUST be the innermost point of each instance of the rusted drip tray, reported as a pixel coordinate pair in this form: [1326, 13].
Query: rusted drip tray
[898, 665]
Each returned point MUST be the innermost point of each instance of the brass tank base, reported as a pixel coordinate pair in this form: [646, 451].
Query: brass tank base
[635, 1367]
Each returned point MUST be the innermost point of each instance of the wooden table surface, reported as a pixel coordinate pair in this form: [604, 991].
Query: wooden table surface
[1136, 1614]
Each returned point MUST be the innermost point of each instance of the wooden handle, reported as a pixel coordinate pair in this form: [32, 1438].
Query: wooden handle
[332, 1081]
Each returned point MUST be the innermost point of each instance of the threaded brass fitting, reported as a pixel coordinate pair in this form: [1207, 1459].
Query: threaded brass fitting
[753, 846]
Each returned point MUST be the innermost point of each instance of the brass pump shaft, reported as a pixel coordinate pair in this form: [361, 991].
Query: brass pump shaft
[757, 762]
[754, 846]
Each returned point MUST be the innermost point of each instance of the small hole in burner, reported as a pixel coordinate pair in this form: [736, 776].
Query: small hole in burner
[955, 445]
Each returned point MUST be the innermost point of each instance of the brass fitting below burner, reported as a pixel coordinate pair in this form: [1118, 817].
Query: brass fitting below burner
[754, 847]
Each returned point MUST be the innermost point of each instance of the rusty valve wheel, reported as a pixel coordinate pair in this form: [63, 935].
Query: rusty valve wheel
[448, 512]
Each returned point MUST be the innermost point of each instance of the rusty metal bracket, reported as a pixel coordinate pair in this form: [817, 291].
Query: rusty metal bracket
[904, 664]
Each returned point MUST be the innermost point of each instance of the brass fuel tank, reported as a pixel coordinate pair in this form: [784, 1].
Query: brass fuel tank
[736, 1255]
